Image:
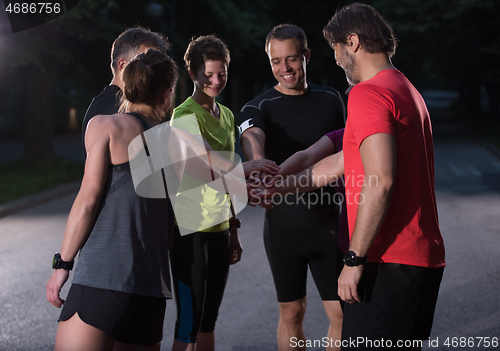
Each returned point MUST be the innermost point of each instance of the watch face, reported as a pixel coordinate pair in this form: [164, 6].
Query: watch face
[349, 258]
[55, 260]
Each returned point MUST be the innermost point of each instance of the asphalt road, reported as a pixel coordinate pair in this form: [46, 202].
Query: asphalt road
[468, 193]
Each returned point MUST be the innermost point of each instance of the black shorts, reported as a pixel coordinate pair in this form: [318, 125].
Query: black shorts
[291, 250]
[129, 318]
[398, 307]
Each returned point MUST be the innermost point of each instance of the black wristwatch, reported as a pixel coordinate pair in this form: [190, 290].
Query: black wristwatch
[351, 259]
[234, 222]
[58, 263]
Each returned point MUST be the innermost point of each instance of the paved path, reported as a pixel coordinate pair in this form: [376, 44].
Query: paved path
[468, 196]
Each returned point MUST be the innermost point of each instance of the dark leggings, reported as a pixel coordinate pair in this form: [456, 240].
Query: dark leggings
[200, 266]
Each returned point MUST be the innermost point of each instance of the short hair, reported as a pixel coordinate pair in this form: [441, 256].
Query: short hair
[375, 35]
[203, 48]
[128, 42]
[287, 31]
[147, 77]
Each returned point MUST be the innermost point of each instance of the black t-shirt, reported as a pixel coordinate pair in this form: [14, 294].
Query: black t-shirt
[106, 103]
[293, 123]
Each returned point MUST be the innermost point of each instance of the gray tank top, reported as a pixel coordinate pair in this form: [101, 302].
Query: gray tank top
[127, 249]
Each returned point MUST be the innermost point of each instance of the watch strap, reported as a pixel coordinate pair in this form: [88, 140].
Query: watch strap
[360, 260]
[352, 260]
[58, 263]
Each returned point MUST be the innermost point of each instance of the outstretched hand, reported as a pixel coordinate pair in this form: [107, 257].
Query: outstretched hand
[260, 190]
[255, 197]
[261, 165]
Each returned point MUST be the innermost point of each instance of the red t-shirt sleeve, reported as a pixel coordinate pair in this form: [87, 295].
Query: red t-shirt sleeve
[370, 111]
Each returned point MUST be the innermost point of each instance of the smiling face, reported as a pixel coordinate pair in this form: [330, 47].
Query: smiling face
[288, 63]
[211, 78]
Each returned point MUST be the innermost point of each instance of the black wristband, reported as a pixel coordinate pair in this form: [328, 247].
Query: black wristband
[352, 260]
[58, 263]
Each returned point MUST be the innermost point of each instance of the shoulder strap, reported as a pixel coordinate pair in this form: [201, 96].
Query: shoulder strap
[145, 125]
[141, 119]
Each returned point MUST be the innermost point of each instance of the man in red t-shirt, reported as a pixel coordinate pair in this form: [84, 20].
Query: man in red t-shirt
[396, 257]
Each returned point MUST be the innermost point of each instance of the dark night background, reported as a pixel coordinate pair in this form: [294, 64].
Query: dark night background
[47, 70]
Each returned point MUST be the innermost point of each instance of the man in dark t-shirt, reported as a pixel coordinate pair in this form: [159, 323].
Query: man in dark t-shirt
[301, 230]
[129, 44]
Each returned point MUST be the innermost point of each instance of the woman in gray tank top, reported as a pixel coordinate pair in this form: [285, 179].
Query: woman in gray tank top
[122, 280]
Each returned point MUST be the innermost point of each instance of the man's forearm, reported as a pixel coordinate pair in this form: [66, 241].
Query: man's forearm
[253, 147]
[327, 171]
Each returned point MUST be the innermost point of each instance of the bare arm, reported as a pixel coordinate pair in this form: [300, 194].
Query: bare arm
[257, 165]
[327, 171]
[217, 159]
[324, 172]
[308, 157]
[253, 141]
[378, 154]
[85, 207]
[86, 204]
[190, 157]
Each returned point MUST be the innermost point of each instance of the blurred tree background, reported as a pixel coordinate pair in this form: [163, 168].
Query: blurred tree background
[52, 71]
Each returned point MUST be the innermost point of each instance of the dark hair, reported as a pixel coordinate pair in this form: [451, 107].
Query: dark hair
[375, 35]
[287, 31]
[203, 48]
[127, 44]
[147, 77]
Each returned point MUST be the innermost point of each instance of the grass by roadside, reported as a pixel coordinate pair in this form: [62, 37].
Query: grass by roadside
[18, 179]
[485, 127]
[490, 133]
[487, 131]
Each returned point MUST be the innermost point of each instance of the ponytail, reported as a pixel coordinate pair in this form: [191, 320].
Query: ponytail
[147, 77]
